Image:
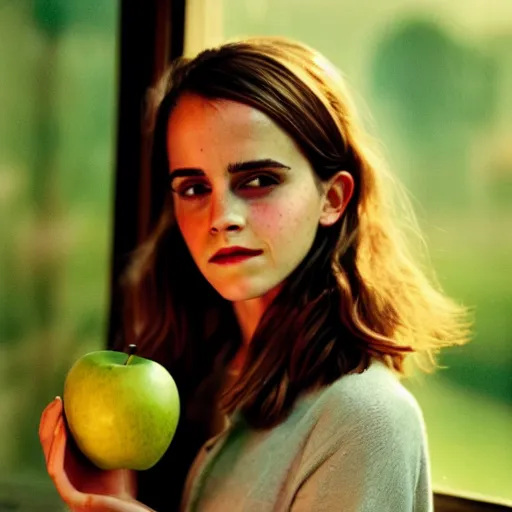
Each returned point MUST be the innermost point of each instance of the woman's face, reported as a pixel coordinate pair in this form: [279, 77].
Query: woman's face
[239, 180]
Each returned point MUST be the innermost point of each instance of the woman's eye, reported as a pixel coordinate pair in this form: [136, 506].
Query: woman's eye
[193, 190]
[260, 181]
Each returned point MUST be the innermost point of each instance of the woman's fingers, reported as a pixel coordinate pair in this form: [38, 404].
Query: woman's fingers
[56, 468]
[52, 434]
[49, 420]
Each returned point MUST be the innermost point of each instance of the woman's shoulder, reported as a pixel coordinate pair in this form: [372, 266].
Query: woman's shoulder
[367, 444]
[367, 406]
[377, 388]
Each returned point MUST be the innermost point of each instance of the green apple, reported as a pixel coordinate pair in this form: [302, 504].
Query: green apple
[122, 410]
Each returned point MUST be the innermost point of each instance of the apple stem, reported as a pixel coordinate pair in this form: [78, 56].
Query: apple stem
[131, 352]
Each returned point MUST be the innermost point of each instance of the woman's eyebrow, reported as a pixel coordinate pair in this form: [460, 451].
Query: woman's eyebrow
[250, 165]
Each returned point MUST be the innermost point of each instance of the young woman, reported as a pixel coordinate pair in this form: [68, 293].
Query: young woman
[278, 288]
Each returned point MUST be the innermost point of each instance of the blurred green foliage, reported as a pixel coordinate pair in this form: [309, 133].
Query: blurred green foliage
[57, 140]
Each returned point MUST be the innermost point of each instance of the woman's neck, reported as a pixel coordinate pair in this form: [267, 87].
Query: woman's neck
[249, 313]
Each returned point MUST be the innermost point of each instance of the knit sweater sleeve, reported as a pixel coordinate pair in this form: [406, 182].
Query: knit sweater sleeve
[367, 452]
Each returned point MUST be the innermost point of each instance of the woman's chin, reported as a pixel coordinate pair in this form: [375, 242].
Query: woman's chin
[240, 295]
[243, 291]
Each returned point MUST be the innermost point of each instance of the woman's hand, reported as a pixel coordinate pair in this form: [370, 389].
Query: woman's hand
[81, 485]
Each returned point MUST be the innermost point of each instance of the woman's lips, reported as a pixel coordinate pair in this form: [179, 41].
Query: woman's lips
[234, 258]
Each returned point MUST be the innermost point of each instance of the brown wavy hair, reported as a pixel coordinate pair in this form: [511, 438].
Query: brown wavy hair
[360, 293]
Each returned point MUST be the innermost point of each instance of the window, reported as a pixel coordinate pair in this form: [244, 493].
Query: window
[437, 78]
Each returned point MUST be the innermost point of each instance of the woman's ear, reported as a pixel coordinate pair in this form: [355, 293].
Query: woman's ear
[337, 193]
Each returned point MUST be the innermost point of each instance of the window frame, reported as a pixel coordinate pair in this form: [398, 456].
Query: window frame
[444, 502]
[151, 35]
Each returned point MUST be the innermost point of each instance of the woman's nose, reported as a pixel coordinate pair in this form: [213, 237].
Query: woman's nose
[227, 214]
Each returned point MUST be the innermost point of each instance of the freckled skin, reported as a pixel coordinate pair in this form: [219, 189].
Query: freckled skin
[210, 135]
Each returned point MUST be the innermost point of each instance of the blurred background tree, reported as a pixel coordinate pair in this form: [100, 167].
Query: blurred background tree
[57, 136]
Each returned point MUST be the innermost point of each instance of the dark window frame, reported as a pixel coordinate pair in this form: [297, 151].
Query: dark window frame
[453, 503]
[152, 34]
